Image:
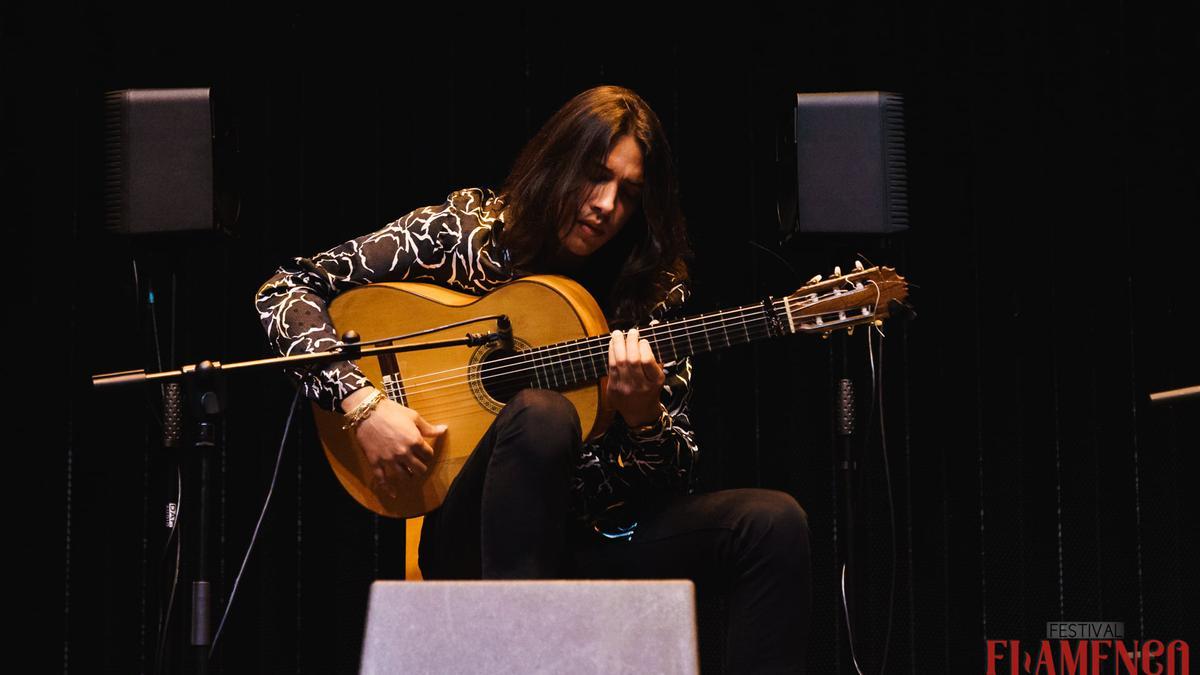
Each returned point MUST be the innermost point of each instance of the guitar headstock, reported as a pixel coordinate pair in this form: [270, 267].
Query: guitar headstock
[845, 300]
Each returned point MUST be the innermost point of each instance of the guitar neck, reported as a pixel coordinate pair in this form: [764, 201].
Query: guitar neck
[566, 364]
[843, 301]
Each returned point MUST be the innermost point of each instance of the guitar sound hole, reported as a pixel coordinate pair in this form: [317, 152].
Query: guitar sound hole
[503, 376]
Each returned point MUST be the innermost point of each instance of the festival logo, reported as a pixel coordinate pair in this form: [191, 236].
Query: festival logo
[1088, 648]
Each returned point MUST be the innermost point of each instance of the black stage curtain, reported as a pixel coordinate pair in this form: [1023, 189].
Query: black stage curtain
[1053, 205]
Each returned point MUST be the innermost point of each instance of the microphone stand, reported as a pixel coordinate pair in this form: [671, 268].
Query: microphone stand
[205, 385]
[847, 462]
[1172, 395]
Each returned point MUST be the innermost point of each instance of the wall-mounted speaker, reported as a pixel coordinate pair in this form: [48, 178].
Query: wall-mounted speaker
[851, 168]
[159, 161]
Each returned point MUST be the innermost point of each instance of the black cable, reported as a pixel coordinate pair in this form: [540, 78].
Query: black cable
[795, 275]
[887, 472]
[261, 515]
[164, 615]
[137, 303]
[877, 401]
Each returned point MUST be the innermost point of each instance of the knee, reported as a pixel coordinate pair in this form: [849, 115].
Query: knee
[542, 407]
[546, 418]
[776, 519]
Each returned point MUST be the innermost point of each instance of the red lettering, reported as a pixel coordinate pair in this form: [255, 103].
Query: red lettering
[1073, 663]
[1151, 650]
[1097, 655]
[1179, 648]
[996, 654]
[1126, 657]
[1045, 658]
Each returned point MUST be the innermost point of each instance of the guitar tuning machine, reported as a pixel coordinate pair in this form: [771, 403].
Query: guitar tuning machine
[837, 272]
[813, 280]
[858, 266]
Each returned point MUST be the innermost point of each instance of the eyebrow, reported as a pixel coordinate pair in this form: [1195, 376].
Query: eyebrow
[608, 172]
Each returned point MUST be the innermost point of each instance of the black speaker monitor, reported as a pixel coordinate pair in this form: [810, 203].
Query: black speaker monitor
[159, 161]
[850, 163]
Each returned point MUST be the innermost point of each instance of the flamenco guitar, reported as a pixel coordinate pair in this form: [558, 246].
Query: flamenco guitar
[560, 342]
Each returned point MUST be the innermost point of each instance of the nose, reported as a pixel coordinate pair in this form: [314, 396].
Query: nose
[604, 198]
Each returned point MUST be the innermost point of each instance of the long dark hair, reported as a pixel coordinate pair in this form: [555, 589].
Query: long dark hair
[549, 180]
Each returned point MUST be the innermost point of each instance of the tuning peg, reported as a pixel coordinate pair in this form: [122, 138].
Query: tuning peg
[813, 280]
[837, 272]
[858, 266]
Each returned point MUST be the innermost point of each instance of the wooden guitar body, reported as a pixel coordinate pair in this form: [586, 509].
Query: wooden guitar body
[444, 384]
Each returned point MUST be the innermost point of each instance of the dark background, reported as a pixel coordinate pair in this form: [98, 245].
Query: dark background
[1053, 206]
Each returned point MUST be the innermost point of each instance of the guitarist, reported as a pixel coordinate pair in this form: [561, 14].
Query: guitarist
[592, 196]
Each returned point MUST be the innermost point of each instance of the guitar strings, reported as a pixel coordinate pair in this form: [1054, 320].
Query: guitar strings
[582, 344]
[654, 333]
[440, 406]
[453, 404]
[452, 399]
[584, 351]
[432, 402]
[587, 348]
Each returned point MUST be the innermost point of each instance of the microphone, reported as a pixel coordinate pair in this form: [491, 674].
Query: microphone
[504, 329]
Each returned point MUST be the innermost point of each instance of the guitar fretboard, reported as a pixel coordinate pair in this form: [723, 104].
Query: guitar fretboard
[566, 364]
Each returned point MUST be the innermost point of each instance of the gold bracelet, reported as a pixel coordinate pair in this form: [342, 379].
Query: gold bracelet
[362, 411]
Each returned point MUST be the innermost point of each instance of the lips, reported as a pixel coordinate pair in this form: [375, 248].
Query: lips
[592, 230]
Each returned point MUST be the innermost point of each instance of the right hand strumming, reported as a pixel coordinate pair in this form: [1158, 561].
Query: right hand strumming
[395, 439]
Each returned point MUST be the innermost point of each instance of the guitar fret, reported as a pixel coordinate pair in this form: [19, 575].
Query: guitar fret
[584, 347]
[560, 367]
[532, 361]
[574, 344]
[538, 371]
[555, 366]
[563, 361]
[660, 344]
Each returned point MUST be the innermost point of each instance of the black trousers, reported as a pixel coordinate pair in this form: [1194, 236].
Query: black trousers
[505, 517]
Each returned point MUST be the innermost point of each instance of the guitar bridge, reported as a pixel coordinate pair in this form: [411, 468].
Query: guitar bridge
[393, 383]
[393, 388]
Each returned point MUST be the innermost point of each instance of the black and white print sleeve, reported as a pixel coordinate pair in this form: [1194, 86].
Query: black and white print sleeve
[622, 465]
[449, 244]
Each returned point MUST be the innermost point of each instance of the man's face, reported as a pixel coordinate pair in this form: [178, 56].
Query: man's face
[610, 198]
